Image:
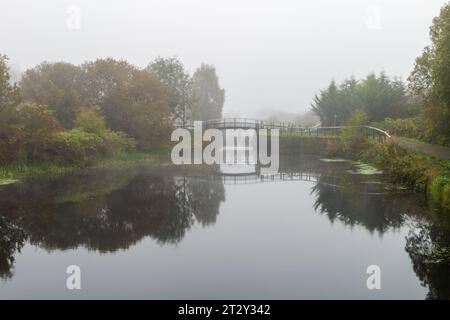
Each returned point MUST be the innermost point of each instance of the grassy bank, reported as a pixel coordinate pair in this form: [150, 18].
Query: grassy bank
[417, 171]
[14, 172]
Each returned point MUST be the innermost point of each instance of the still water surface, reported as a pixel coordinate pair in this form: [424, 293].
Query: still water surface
[164, 232]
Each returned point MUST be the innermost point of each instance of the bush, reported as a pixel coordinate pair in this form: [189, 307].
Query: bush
[90, 121]
[78, 146]
[410, 169]
[352, 139]
[408, 127]
[28, 133]
[36, 126]
[117, 141]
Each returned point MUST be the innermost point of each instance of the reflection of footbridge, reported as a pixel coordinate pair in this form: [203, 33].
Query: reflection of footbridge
[325, 180]
[276, 177]
[238, 179]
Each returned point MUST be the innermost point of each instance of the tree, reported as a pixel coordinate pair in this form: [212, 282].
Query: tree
[178, 83]
[430, 79]
[54, 85]
[208, 96]
[379, 96]
[101, 77]
[9, 94]
[327, 104]
[9, 99]
[131, 100]
[139, 108]
[35, 126]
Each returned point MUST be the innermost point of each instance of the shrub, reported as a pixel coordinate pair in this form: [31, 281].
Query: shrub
[408, 127]
[410, 169]
[114, 142]
[36, 126]
[78, 146]
[352, 139]
[90, 121]
[117, 141]
[28, 133]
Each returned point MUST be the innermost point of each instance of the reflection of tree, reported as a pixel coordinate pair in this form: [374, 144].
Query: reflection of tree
[346, 202]
[206, 197]
[428, 247]
[353, 202]
[12, 239]
[111, 216]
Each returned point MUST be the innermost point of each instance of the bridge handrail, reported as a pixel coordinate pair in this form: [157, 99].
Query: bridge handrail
[385, 133]
[379, 130]
[280, 125]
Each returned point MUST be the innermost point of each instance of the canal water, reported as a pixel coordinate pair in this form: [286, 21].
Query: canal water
[164, 232]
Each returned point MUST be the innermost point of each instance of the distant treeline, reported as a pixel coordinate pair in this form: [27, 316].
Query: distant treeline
[378, 96]
[419, 109]
[69, 113]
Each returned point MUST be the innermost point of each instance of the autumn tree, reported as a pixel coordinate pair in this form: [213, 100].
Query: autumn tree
[101, 77]
[35, 126]
[9, 99]
[430, 79]
[54, 85]
[139, 108]
[177, 81]
[209, 97]
[130, 99]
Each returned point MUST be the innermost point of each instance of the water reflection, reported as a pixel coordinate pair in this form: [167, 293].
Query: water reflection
[363, 203]
[12, 239]
[108, 210]
[105, 211]
[428, 246]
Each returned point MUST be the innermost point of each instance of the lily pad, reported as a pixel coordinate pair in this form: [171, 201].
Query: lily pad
[4, 182]
[334, 160]
[374, 182]
[365, 169]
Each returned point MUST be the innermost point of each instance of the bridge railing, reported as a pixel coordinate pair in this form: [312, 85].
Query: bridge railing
[263, 178]
[285, 127]
[370, 132]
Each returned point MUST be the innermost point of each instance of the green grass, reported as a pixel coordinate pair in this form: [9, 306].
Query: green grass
[15, 172]
[6, 181]
[158, 156]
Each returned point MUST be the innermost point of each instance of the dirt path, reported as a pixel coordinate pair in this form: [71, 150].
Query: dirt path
[423, 147]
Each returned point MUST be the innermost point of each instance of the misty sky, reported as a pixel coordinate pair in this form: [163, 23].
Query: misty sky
[268, 54]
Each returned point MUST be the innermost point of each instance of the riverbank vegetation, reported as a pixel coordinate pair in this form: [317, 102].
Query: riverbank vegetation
[61, 116]
[417, 171]
[14, 172]
[419, 109]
